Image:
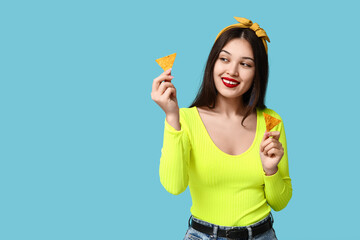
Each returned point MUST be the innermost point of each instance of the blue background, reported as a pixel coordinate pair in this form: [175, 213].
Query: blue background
[81, 138]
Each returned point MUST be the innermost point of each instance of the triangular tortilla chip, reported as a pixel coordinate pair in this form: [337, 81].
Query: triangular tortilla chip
[167, 61]
[270, 121]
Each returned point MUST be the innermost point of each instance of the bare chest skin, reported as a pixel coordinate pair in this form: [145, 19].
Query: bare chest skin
[229, 135]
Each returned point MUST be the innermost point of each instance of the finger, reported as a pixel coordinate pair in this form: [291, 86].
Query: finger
[172, 92]
[275, 134]
[167, 79]
[167, 93]
[272, 145]
[165, 76]
[175, 92]
[265, 137]
[164, 86]
[168, 71]
[268, 141]
[274, 152]
[160, 81]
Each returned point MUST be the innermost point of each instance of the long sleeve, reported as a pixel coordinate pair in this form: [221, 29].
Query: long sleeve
[278, 189]
[175, 157]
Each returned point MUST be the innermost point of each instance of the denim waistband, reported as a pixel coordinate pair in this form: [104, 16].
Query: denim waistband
[226, 227]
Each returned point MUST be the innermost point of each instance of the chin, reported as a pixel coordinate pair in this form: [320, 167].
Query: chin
[227, 95]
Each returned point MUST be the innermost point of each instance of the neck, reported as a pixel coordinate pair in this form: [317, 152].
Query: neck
[229, 107]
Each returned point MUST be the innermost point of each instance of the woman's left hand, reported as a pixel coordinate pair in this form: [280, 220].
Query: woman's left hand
[271, 152]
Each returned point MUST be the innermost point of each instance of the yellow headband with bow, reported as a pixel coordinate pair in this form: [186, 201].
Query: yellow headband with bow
[246, 23]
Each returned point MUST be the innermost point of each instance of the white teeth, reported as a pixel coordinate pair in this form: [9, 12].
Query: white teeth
[233, 83]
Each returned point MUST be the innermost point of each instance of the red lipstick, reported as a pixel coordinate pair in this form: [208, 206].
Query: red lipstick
[230, 85]
[230, 79]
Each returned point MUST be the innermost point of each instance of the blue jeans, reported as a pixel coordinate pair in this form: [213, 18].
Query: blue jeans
[192, 234]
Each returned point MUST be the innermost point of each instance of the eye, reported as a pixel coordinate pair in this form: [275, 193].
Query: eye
[224, 59]
[245, 64]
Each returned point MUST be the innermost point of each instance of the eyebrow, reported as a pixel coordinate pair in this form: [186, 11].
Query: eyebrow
[241, 57]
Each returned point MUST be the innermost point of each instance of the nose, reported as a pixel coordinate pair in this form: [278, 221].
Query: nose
[233, 70]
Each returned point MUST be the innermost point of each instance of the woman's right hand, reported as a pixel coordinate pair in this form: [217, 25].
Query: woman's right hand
[164, 94]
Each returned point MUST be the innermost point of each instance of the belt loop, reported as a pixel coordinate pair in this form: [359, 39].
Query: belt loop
[249, 232]
[215, 230]
[189, 220]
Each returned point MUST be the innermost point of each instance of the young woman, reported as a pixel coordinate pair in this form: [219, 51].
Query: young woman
[219, 147]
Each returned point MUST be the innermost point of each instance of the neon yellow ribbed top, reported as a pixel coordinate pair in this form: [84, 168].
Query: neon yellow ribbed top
[226, 190]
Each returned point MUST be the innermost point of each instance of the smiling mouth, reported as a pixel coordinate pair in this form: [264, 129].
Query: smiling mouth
[229, 84]
[230, 79]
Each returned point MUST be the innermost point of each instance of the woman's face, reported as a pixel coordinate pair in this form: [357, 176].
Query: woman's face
[235, 62]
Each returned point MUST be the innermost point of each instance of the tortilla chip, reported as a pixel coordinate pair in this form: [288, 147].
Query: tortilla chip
[270, 121]
[167, 61]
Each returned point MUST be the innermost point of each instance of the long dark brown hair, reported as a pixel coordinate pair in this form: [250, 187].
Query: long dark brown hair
[255, 96]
